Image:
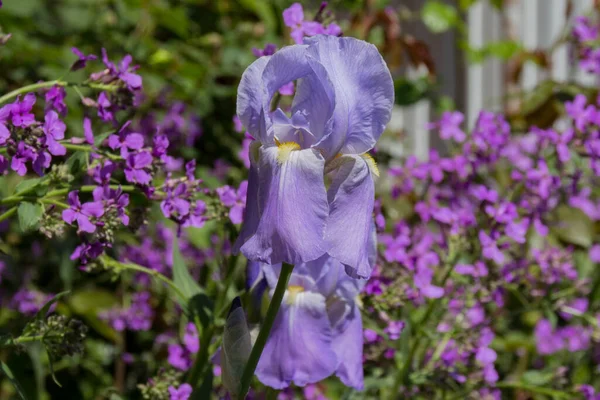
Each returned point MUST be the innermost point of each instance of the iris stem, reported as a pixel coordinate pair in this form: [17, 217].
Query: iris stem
[47, 84]
[265, 330]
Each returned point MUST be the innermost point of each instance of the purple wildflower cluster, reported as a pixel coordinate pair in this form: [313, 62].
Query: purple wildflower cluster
[484, 227]
[138, 316]
[586, 33]
[29, 143]
[181, 355]
[293, 18]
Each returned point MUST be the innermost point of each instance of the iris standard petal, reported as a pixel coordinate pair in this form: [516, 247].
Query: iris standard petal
[250, 99]
[299, 347]
[348, 345]
[294, 206]
[364, 91]
[315, 98]
[351, 199]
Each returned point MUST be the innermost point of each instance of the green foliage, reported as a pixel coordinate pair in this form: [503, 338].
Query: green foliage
[439, 17]
[29, 215]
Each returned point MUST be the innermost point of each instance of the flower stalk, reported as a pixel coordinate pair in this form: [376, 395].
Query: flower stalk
[263, 335]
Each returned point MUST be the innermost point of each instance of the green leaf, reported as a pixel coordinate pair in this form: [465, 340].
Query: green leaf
[44, 310]
[77, 161]
[29, 215]
[465, 4]
[6, 371]
[27, 184]
[497, 3]
[537, 378]
[182, 277]
[439, 17]
[87, 303]
[574, 226]
[411, 91]
[504, 49]
[173, 18]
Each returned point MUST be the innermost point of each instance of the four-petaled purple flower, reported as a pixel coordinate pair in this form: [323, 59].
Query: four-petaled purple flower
[234, 200]
[123, 72]
[183, 392]
[126, 141]
[137, 168]
[82, 213]
[55, 98]
[21, 113]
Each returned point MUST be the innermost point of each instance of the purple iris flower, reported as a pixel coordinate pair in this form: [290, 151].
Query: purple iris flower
[21, 111]
[340, 109]
[318, 330]
[82, 59]
[82, 213]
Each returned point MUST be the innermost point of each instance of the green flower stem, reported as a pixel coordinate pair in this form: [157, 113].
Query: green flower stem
[23, 339]
[8, 213]
[556, 394]
[89, 149]
[265, 330]
[42, 85]
[201, 361]
[59, 192]
[55, 202]
[403, 373]
[135, 267]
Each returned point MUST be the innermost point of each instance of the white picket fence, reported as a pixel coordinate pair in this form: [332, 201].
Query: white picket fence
[536, 24]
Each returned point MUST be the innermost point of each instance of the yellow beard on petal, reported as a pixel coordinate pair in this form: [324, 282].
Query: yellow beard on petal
[284, 150]
[371, 163]
[293, 291]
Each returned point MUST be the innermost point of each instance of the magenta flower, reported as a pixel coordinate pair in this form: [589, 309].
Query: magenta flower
[126, 141]
[105, 108]
[449, 126]
[137, 168]
[123, 72]
[54, 129]
[55, 98]
[269, 50]
[234, 200]
[4, 131]
[21, 157]
[336, 119]
[82, 59]
[183, 392]
[82, 213]
[490, 248]
[88, 134]
[21, 113]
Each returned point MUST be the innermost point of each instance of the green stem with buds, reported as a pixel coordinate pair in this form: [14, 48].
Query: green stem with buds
[135, 267]
[265, 330]
[42, 85]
